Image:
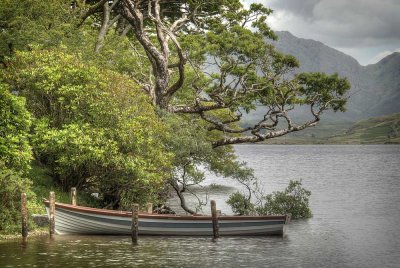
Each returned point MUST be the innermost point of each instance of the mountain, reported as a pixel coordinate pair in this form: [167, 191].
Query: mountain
[314, 56]
[384, 79]
[375, 88]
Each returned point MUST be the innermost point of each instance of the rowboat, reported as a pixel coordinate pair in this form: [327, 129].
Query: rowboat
[72, 219]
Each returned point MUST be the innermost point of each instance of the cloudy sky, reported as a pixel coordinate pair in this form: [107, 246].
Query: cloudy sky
[368, 30]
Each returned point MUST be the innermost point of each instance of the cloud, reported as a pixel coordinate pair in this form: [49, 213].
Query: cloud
[348, 24]
[353, 22]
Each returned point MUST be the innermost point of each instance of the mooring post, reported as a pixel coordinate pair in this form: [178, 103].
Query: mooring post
[52, 208]
[214, 219]
[135, 223]
[24, 218]
[73, 196]
[150, 208]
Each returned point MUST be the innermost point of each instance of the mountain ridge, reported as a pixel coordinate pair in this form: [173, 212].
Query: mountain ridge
[375, 87]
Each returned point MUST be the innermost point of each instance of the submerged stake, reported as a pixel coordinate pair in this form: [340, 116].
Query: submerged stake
[73, 196]
[135, 223]
[214, 215]
[24, 217]
[150, 208]
[52, 209]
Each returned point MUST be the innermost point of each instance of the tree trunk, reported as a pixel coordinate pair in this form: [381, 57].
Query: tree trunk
[179, 192]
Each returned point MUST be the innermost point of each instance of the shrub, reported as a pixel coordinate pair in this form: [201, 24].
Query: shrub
[294, 200]
[15, 157]
[240, 204]
[15, 121]
[12, 185]
[93, 128]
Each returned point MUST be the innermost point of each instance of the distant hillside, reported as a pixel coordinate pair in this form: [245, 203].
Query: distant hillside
[375, 88]
[376, 130]
[314, 56]
[384, 85]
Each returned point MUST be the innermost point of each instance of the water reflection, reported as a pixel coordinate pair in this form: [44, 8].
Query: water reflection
[112, 251]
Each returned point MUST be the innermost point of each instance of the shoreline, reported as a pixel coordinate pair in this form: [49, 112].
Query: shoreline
[298, 143]
[35, 233]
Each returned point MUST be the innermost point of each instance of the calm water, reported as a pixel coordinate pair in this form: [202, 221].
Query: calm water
[355, 201]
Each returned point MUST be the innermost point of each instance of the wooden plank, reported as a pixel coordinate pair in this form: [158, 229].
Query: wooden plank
[128, 214]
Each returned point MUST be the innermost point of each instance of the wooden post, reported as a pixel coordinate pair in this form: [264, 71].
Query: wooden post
[150, 208]
[135, 223]
[24, 218]
[73, 196]
[214, 219]
[52, 208]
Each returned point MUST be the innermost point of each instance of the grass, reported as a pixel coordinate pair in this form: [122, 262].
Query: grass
[377, 130]
[43, 183]
[39, 231]
[319, 134]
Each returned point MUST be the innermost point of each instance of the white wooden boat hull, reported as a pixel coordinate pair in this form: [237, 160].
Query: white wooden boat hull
[82, 220]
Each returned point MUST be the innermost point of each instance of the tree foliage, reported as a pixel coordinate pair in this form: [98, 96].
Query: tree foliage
[194, 155]
[15, 121]
[15, 157]
[32, 22]
[91, 127]
[235, 68]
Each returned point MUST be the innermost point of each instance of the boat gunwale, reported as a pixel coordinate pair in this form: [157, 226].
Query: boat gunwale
[127, 214]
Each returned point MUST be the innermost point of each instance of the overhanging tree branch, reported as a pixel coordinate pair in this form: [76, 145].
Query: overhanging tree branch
[248, 71]
[91, 10]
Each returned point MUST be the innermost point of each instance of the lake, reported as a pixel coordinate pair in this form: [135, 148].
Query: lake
[355, 201]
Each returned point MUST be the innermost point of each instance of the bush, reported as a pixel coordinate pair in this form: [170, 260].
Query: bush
[15, 155]
[93, 128]
[15, 121]
[294, 201]
[240, 204]
[12, 185]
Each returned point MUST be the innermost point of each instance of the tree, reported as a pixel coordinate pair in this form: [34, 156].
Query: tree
[92, 128]
[234, 68]
[203, 62]
[193, 154]
[33, 22]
